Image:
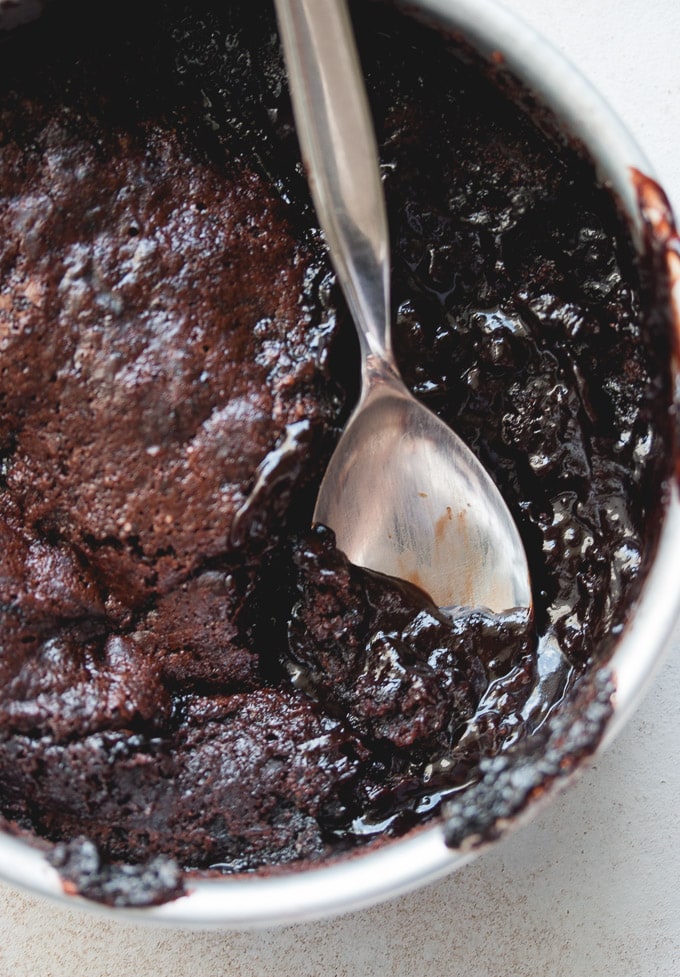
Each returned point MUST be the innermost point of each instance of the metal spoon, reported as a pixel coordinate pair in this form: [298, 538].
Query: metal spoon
[402, 492]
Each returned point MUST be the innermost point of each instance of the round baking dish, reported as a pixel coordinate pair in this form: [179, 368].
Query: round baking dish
[502, 40]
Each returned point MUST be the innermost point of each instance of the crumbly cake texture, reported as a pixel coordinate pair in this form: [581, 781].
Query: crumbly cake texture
[190, 678]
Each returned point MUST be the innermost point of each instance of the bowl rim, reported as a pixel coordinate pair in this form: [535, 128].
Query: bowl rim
[366, 878]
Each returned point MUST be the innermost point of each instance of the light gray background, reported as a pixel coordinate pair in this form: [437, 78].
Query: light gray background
[592, 887]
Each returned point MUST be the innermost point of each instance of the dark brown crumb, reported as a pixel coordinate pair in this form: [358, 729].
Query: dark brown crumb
[150, 884]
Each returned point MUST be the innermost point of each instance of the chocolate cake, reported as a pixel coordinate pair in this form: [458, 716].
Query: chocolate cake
[191, 677]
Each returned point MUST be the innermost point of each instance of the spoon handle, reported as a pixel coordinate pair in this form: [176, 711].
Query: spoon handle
[340, 153]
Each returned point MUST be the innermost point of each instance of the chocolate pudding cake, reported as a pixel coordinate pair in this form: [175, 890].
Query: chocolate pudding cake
[191, 677]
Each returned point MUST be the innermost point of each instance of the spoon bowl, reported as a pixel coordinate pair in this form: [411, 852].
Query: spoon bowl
[403, 494]
[406, 497]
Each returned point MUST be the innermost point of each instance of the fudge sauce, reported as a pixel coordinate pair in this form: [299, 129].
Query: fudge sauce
[192, 678]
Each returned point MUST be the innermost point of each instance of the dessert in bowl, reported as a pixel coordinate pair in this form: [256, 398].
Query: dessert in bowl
[205, 708]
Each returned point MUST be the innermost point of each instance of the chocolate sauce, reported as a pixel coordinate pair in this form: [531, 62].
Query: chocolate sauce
[190, 677]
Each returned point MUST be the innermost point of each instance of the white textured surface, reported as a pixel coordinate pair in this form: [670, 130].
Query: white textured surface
[593, 885]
